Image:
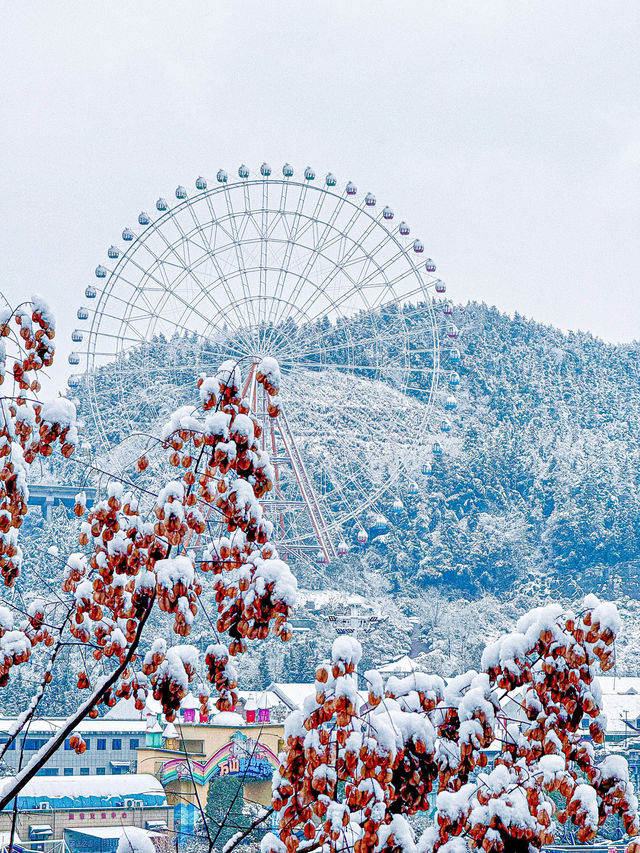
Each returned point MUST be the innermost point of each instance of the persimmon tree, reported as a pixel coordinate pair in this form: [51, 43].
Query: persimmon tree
[135, 555]
[354, 770]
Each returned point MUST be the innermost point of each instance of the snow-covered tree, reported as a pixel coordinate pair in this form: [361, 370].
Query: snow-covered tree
[136, 558]
[352, 773]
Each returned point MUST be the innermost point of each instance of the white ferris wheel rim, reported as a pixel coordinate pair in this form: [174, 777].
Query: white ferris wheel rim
[124, 300]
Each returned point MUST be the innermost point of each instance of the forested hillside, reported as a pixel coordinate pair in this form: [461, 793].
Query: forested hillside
[542, 472]
[539, 473]
[536, 494]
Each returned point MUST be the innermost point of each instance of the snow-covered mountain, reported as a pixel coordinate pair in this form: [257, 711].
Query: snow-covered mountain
[539, 480]
[537, 494]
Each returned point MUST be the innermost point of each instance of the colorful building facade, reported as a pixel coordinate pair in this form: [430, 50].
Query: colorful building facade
[225, 746]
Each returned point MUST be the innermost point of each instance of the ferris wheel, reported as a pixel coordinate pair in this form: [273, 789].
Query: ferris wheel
[305, 270]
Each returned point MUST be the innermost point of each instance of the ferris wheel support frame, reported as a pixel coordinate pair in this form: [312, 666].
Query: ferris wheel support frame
[289, 455]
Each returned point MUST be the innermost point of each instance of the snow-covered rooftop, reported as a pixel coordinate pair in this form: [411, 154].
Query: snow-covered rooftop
[111, 831]
[170, 731]
[227, 718]
[405, 664]
[324, 597]
[621, 703]
[255, 699]
[190, 702]
[292, 693]
[125, 709]
[52, 787]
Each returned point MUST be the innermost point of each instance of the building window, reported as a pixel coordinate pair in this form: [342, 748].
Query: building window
[34, 743]
[116, 743]
[101, 771]
[88, 743]
[134, 743]
[71, 816]
[67, 745]
[4, 740]
[102, 743]
[68, 771]
[84, 771]
[47, 771]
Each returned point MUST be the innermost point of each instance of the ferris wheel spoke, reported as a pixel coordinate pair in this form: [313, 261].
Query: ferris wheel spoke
[237, 245]
[342, 345]
[212, 253]
[183, 267]
[346, 258]
[247, 206]
[356, 242]
[292, 237]
[217, 223]
[138, 292]
[398, 279]
[161, 370]
[239, 324]
[371, 261]
[135, 341]
[191, 233]
[249, 217]
[207, 248]
[375, 368]
[420, 389]
[323, 243]
[359, 285]
[384, 287]
[284, 192]
[146, 275]
[264, 230]
[123, 321]
[302, 226]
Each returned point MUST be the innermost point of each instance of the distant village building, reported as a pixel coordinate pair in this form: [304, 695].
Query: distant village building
[401, 667]
[621, 704]
[167, 767]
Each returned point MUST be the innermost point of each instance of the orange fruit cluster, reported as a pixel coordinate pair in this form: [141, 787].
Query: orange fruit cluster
[28, 428]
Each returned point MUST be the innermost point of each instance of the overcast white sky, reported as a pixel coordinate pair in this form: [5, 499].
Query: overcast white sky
[506, 133]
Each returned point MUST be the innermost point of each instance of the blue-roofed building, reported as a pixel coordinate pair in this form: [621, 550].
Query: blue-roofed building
[89, 812]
